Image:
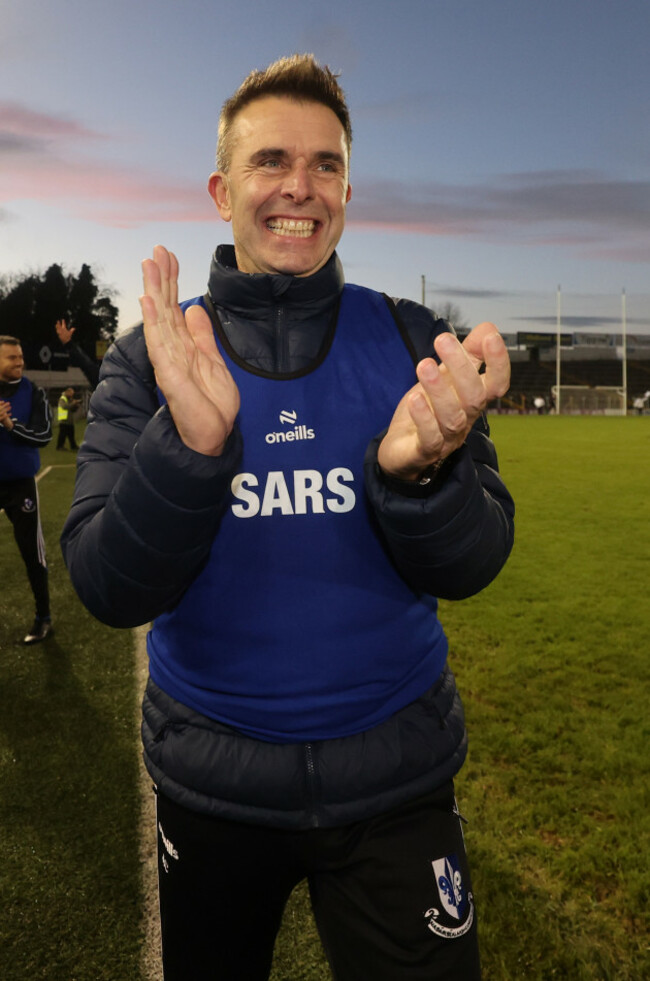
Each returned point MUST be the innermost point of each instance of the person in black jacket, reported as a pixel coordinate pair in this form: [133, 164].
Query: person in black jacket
[77, 355]
[283, 475]
[25, 425]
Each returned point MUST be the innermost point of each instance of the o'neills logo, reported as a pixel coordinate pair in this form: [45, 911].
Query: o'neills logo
[290, 417]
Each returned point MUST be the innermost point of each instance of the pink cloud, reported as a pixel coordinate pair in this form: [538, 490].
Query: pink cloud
[20, 120]
[588, 212]
[577, 209]
[38, 167]
[424, 226]
[634, 252]
[109, 195]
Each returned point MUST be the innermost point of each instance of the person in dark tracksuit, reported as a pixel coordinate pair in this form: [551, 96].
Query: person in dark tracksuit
[284, 475]
[25, 425]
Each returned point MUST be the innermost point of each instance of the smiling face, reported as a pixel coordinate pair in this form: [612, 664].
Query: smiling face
[287, 186]
[12, 362]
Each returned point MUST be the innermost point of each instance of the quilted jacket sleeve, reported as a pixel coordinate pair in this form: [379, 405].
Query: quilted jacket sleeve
[453, 541]
[80, 359]
[37, 431]
[146, 508]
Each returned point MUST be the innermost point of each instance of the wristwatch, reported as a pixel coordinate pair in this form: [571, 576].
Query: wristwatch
[427, 475]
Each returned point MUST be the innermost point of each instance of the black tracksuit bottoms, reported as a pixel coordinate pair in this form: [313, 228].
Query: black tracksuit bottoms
[19, 498]
[391, 895]
[66, 431]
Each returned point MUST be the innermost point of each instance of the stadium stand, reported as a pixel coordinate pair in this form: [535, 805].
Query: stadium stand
[532, 378]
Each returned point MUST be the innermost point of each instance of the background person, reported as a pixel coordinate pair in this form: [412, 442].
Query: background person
[255, 480]
[77, 355]
[66, 409]
[25, 425]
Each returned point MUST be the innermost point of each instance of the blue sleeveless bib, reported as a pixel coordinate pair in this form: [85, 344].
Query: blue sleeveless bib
[299, 628]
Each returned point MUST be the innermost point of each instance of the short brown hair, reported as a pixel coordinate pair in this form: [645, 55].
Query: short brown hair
[6, 339]
[298, 77]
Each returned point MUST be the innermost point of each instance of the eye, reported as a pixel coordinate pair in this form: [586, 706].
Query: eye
[331, 167]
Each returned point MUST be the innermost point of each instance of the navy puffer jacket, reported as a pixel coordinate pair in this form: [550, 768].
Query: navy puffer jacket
[146, 510]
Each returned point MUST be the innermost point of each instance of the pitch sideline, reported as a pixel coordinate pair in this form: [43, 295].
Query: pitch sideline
[151, 963]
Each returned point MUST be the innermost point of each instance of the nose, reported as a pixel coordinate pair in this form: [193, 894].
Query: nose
[298, 184]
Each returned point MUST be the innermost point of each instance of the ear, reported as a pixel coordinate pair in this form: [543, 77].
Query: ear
[348, 193]
[218, 190]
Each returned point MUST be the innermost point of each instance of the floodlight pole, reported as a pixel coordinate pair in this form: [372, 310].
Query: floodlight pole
[558, 338]
[624, 339]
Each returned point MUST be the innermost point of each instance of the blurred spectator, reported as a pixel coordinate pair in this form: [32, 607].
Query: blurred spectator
[66, 409]
[25, 425]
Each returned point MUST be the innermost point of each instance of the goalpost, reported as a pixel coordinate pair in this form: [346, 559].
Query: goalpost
[607, 400]
[598, 400]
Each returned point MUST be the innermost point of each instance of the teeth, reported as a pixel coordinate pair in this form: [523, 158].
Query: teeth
[291, 226]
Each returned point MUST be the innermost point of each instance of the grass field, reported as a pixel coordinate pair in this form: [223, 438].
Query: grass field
[552, 662]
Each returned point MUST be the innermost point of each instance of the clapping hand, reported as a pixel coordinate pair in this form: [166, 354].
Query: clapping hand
[5, 415]
[435, 416]
[200, 391]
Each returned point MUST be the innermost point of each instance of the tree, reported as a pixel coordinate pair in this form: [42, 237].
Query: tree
[31, 304]
[107, 313]
[17, 303]
[50, 297]
[451, 313]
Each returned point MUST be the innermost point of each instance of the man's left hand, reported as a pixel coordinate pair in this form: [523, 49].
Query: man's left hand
[5, 415]
[435, 416]
[63, 332]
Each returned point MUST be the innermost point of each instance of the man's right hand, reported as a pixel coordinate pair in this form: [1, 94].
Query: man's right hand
[201, 393]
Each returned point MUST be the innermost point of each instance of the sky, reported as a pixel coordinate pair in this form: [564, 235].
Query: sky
[501, 147]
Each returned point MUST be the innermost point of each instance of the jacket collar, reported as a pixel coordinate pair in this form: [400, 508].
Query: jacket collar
[253, 294]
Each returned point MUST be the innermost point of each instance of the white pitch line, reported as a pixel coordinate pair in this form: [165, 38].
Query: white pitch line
[151, 960]
[53, 466]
